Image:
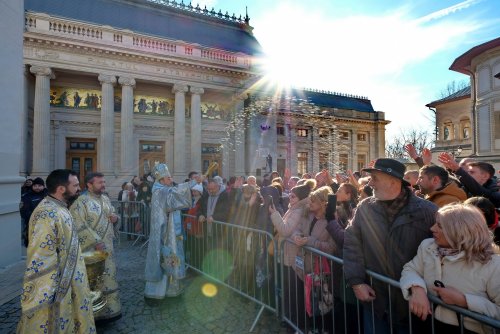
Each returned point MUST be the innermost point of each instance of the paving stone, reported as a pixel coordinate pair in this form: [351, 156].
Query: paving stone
[192, 312]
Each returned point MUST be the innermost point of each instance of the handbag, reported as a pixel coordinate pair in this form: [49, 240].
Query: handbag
[318, 290]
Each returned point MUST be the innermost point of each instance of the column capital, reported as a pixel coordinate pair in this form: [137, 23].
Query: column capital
[126, 81]
[107, 78]
[180, 88]
[42, 71]
[196, 90]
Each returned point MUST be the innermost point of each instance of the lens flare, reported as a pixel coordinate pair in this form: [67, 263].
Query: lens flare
[209, 290]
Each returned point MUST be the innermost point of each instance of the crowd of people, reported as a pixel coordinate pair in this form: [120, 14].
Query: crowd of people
[434, 229]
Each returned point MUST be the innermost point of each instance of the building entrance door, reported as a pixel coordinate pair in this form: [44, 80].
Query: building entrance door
[149, 153]
[211, 153]
[81, 157]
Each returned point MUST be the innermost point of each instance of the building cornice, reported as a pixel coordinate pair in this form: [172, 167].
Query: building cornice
[72, 32]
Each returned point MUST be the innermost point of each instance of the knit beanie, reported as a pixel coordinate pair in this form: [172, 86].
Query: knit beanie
[304, 190]
[39, 181]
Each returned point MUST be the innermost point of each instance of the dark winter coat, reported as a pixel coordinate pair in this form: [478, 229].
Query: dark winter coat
[374, 243]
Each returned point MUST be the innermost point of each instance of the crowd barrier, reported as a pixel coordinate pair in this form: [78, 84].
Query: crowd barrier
[236, 257]
[135, 219]
[317, 300]
[311, 296]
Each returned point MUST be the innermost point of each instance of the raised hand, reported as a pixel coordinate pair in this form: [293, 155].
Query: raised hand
[426, 156]
[412, 152]
[448, 161]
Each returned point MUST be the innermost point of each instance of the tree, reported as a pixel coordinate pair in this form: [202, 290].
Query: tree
[420, 139]
[453, 87]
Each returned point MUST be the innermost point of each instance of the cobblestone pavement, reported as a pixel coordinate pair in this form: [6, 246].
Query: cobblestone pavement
[192, 312]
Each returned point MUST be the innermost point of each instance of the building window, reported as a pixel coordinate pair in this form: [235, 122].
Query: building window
[343, 162]
[302, 162]
[361, 161]
[464, 128]
[447, 131]
[280, 130]
[302, 132]
[84, 146]
[344, 135]
[323, 133]
[361, 136]
[150, 152]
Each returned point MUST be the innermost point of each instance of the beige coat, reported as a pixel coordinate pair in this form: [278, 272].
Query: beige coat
[480, 283]
[287, 225]
[319, 239]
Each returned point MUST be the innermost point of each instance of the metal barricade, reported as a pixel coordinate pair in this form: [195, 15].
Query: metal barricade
[316, 299]
[135, 219]
[236, 257]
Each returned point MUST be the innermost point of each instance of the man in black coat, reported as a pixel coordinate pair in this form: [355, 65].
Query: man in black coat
[29, 202]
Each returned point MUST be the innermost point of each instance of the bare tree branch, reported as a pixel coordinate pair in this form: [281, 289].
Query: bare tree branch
[420, 139]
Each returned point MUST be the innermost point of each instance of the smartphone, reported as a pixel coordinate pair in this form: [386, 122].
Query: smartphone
[268, 201]
[331, 207]
[439, 284]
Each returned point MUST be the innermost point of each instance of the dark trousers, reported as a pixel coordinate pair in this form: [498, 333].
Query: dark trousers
[293, 294]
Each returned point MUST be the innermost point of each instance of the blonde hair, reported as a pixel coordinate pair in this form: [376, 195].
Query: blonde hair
[321, 194]
[465, 229]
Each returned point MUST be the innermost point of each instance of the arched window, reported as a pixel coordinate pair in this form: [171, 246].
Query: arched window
[465, 132]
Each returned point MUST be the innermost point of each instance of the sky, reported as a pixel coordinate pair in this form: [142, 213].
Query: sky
[396, 53]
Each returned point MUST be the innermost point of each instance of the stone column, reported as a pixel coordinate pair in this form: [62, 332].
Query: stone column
[41, 121]
[196, 128]
[239, 136]
[354, 150]
[128, 163]
[315, 150]
[179, 172]
[335, 150]
[23, 165]
[106, 147]
[293, 150]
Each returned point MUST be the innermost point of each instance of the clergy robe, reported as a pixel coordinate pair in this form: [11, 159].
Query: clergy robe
[165, 262]
[55, 296]
[91, 215]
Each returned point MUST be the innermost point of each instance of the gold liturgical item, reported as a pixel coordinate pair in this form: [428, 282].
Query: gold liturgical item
[213, 166]
[95, 264]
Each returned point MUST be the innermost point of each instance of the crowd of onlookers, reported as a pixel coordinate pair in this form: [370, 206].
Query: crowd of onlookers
[429, 224]
[434, 229]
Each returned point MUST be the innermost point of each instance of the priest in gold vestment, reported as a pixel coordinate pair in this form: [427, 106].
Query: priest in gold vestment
[94, 220]
[56, 296]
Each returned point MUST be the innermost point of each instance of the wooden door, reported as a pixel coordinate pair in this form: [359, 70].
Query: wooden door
[149, 153]
[81, 157]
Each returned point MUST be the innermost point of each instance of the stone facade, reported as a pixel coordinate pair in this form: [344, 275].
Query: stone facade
[453, 120]
[482, 65]
[108, 99]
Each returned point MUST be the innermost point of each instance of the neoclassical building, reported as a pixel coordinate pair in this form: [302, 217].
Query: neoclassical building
[453, 123]
[482, 65]
[115, 85]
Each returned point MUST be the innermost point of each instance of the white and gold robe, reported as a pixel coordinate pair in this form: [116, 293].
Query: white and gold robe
[91, 214]
[56, 295]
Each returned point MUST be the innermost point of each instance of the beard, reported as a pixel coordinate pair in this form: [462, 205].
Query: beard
[98, 192]
[70, 198]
